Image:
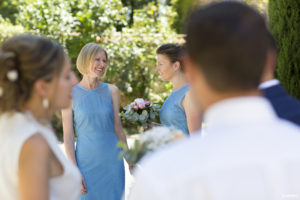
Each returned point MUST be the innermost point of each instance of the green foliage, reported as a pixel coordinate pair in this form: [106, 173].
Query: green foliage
[285, 27]
[93, 18]
[8, 29]
[96, 16]
[9, 9]
[132, 6]
[183, 9]
[50, 18]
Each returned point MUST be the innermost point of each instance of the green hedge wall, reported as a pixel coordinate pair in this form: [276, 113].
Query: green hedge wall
[284, 16]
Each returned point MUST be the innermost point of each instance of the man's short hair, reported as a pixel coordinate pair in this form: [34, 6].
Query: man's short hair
[228, 41]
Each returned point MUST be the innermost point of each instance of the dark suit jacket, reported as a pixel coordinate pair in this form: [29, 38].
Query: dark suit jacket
[284, 104]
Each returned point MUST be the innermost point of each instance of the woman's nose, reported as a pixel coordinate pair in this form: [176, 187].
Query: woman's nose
[103, 63]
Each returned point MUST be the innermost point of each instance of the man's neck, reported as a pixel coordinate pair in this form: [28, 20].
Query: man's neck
[217, 97]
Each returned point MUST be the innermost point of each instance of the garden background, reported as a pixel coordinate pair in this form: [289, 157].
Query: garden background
[131, 30]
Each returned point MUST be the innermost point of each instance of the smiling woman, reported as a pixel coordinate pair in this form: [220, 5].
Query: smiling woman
[179, 109]
[94, 115]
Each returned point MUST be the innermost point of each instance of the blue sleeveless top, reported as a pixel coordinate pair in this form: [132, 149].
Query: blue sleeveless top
[172, 113]
[96, 150]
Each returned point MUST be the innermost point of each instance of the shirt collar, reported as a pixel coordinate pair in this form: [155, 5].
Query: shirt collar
[268, 84]
[239, 110]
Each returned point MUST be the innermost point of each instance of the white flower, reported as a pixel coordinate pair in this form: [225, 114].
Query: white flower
[129, 89]
[139, 101]
[158, 136]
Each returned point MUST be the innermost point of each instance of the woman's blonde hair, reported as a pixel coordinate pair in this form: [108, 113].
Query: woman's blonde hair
[28, 58]
[86, 55]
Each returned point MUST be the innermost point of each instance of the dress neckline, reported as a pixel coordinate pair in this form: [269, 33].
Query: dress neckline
[31, 117]
[174, 91]
[100, 85]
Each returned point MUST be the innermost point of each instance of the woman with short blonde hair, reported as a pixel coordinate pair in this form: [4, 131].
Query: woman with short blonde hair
[97, 125]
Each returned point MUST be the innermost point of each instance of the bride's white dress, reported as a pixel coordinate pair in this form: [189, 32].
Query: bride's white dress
[15, 129]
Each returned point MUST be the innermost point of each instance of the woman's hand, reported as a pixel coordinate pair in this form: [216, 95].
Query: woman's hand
[83, 186]
[131, 167]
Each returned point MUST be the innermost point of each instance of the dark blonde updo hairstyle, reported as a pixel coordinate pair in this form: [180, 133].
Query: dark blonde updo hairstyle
[173, 52]
[24, 59]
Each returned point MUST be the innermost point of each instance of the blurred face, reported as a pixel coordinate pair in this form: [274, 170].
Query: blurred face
[62, 88]
[98, 65]
[165, 67]
[197, 80]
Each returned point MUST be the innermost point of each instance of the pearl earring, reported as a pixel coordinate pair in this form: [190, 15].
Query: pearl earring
[45, 103]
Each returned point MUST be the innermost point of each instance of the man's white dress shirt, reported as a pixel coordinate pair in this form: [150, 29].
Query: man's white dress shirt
[268, 84]
[247, 154]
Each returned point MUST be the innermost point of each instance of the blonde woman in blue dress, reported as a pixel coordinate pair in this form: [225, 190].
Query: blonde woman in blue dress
[97, 125]
[35, 80]
[179, 109]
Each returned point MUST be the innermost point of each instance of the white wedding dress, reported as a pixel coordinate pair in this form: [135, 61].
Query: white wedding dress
[15, 129]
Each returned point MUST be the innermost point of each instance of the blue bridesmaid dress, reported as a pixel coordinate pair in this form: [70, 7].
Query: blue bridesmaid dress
[96, 148]
[172, 113]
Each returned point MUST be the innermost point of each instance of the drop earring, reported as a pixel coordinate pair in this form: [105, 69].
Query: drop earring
[45, 103]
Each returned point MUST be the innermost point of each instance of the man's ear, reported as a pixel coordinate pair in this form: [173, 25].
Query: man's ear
[270, 64]
[189, 67]
[42, 88]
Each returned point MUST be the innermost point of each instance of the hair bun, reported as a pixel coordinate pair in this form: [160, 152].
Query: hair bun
[8, 59]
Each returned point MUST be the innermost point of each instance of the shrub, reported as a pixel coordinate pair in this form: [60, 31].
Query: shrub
[285, 27]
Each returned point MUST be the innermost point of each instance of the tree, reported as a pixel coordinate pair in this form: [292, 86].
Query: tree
[50, 18]
[134, 5]
[182, 8]
[9, 9]
[8, 29]
[284, 16]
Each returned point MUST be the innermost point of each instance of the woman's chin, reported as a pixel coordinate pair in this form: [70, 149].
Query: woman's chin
[100, 75]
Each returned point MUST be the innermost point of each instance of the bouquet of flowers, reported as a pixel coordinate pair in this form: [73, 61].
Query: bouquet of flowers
[149, 141]
[140, 112]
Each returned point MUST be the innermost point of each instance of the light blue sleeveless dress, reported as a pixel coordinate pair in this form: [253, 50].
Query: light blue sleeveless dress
[96, 149]
[172, 113]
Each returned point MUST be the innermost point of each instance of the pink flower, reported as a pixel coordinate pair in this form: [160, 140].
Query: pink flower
[147, 103]
[138, 101]
[141, 106]
[132, 105]
[135, 107]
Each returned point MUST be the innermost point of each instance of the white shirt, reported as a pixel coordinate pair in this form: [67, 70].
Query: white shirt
[248, 154]
[14, 131]
[268, 84]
